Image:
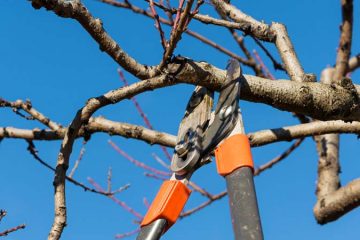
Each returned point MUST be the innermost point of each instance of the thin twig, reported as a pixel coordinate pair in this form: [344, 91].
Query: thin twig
[200, 190]
[276, 64]
[136, 162]
[263, 66]
[117, 201]
[6, 232]
[109, 176]
[77, 162]
[158, 25]
[142, 113]
[180, 25]
[31, 148]
[146, 203]
[203, 205]
[160, 161]
[2, 214]
[154, 176]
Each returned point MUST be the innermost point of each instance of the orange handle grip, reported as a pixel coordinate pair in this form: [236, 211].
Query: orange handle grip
[168, 203]
[233, 153]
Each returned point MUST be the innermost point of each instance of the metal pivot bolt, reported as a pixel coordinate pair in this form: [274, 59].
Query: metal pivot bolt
[183, 147]
[225, 112]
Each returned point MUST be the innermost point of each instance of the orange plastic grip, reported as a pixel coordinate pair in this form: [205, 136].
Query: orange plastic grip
[233, 153]
[168, 203]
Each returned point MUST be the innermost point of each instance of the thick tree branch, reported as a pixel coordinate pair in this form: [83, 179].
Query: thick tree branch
[302, 130]
[328, 150]
[287, 53]
[328, 207]
[338, 203]
[257, 139]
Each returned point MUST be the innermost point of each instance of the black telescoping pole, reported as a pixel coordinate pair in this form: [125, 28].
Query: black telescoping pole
[243, 205]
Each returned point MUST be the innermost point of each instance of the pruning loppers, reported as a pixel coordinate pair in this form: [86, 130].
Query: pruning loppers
[201, 133]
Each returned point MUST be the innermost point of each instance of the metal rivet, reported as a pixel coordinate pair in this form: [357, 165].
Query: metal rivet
[225, 112]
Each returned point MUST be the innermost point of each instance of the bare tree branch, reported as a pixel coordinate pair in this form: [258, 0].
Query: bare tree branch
[257, 139]
[287, 53]
[327, 207]
[10, 230]
[338, 203]
[27, 107]
[31, 148]
[244, 22]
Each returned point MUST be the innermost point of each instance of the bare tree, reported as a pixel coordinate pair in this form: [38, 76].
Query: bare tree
[325, 108]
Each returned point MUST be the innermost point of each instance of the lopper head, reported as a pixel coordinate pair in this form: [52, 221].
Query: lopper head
[199, 141]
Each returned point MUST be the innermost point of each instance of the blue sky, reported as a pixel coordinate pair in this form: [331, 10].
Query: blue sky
[54, 63]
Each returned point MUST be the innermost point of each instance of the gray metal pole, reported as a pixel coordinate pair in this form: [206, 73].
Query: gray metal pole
[243, 205]
[152, 231]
